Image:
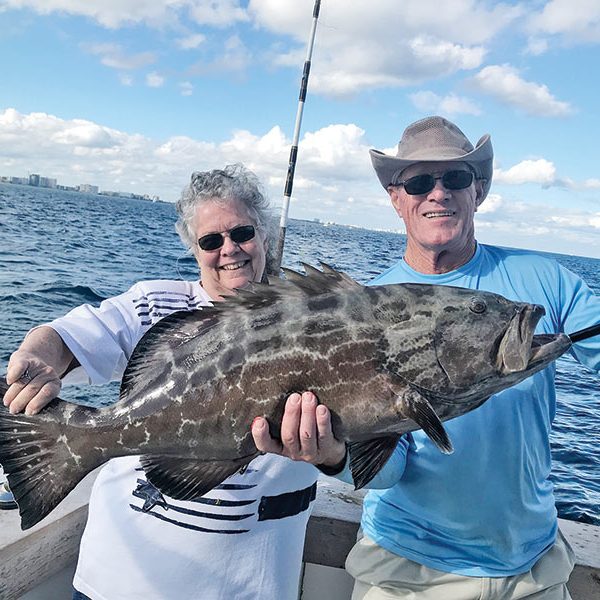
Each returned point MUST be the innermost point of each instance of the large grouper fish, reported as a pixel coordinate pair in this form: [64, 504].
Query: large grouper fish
[385, 360]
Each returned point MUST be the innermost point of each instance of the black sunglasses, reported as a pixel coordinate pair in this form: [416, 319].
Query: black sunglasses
[423, 184]
[238, 235]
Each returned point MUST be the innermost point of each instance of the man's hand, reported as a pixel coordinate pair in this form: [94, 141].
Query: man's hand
[306, 433]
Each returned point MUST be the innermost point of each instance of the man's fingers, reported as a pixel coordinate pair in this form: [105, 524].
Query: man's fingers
[306, 432]
[308, 427]
[331, 450]
[325, 433]
[262, 438]
[290, 424]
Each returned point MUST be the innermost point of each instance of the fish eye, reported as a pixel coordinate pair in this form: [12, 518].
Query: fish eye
[478, 305]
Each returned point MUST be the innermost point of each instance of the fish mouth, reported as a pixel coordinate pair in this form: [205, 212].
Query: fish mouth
[547, 347]
[520, 350]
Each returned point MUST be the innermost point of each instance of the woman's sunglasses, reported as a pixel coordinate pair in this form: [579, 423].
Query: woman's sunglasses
[423, 184]
[238, 235]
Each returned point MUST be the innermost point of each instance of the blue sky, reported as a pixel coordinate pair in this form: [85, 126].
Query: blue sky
[134, 95]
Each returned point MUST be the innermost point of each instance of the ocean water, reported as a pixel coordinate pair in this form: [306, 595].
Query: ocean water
[61, 249]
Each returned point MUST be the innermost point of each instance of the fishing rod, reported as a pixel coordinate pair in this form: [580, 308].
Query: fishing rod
[289, 182]
[584, 334]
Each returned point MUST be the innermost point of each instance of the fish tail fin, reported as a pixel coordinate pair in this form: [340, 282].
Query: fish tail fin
[40, 466]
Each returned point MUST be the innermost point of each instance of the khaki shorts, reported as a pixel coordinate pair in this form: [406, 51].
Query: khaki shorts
[381, 575]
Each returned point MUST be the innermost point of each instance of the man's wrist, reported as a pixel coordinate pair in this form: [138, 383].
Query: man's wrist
[334, 469]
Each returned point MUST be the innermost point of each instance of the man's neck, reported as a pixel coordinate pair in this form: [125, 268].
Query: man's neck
[438, 262]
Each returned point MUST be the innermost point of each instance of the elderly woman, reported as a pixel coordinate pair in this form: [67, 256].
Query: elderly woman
[244, 539]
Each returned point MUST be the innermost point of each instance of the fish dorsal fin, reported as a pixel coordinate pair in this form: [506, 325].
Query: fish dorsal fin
[368, 458]
[415, 406]
[319, 282]
[342, 278]
[256, 295]
[185, 478]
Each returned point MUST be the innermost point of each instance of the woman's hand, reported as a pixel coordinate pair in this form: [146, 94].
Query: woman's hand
[34, 371]
[306, 433]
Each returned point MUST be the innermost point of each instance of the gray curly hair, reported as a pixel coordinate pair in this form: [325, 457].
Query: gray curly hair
[234, 182]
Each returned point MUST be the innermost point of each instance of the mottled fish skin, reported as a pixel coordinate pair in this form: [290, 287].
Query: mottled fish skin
[385, 360]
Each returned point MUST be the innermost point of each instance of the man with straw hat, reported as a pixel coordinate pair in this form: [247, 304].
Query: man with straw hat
[481, 522]
[440, 231]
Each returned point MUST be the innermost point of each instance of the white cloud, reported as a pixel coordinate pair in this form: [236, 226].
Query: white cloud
[536, 46]
[577, 21]
[514, 222]
[504, 83]
[493, 203]
[539, 171]
[355, 51]
[235, 58]
[334, 179]
[191, 41]
[154, 80]
[73, 150]
[592, 184]
[154, 13]
[451, 104]
[113, 55]
[80, 133]
[448, 56]
[126, 79]
[186, 88]
[577, 220]
[219, 14]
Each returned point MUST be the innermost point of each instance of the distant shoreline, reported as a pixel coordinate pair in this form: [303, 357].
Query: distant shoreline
[83, 189]
[313, 221]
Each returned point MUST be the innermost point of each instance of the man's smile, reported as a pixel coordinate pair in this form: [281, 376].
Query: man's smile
[439, 213]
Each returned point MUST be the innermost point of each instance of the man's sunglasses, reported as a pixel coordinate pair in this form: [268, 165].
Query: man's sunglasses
[238, 235]
[423, 184]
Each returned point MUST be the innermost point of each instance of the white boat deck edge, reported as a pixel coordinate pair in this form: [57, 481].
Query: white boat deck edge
[29, 558]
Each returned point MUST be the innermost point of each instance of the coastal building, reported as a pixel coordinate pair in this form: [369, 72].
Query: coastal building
[37, 180]
[86, 188]
[47, 182]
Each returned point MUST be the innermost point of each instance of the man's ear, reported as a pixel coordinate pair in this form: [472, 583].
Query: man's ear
[479, 194]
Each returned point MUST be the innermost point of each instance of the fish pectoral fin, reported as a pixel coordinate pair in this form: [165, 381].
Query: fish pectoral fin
[368, 458]
[417, 407]
[184, 478]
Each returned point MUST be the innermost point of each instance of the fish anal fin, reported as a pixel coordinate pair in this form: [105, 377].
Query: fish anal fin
[184, 478]
[415, 406]
[368, 458]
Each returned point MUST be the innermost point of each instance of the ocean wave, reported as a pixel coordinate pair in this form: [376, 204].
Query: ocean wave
[57, 293]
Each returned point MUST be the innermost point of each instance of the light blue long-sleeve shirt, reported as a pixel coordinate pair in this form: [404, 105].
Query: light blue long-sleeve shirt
[487, 509]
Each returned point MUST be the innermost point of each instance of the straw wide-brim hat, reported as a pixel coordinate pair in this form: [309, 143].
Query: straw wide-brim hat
[435, 139]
